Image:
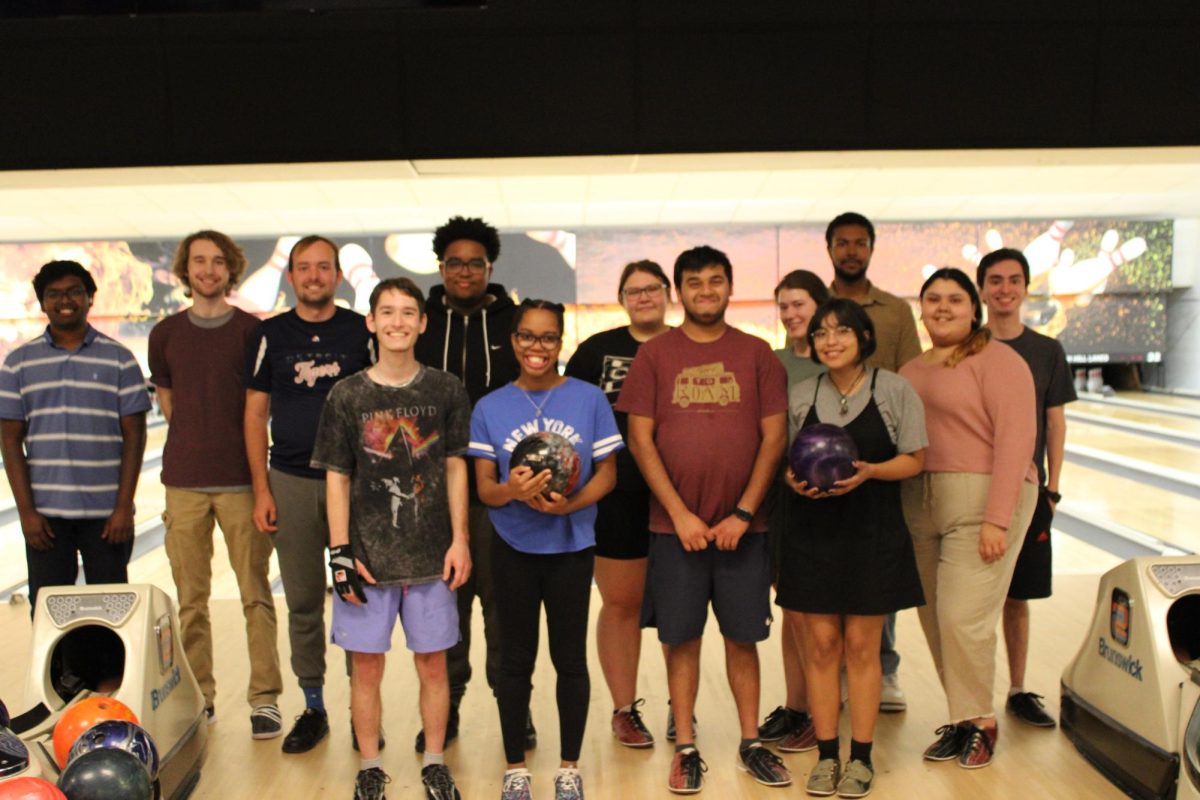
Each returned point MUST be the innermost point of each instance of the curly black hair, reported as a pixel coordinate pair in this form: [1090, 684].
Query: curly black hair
[471, 228]
[55, 270]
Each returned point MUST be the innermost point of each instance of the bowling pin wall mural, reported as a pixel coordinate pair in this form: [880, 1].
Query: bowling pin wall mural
[1099, 285]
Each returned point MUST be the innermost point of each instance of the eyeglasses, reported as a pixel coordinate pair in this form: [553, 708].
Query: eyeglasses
[75, 293]
[645, 291]
[548, 340]
[458, 265]
[841, 332]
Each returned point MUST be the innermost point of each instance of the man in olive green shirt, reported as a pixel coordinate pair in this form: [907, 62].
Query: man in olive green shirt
[850, 239]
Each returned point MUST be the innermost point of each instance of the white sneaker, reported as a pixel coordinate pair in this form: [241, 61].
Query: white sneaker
[891, 696]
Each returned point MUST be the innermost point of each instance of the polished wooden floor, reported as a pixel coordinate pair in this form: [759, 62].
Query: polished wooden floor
[1030, 762]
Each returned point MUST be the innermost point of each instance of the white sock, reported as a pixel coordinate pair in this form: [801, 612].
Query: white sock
[433, 758]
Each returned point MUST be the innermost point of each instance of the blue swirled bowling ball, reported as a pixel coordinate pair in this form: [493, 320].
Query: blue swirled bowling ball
[822, 454]
[545, 450]
[122, 735]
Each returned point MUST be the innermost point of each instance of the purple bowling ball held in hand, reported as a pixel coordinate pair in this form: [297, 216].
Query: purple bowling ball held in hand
[821, 455]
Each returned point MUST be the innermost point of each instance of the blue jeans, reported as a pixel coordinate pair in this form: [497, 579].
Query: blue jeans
[889, 659]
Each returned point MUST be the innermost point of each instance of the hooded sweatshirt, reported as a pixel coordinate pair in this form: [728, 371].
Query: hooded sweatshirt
[477, 348]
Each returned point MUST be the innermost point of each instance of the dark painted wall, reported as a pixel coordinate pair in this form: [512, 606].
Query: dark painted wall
[552, 77]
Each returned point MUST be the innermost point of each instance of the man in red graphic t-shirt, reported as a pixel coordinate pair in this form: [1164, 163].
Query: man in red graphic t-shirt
[707, 409]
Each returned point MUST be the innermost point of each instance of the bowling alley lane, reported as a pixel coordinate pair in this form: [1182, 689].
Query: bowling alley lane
[1173, 403]
[1151, 421]
[1163, 514]
[1134, 448]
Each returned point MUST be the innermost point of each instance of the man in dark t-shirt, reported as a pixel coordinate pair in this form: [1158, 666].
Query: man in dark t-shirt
[392, 440]
[196, 361]
[707, 408]
[1003, 278]
[293, 362]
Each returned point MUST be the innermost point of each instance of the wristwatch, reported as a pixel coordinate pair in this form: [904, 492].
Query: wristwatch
[1055, 496]
[743, 514]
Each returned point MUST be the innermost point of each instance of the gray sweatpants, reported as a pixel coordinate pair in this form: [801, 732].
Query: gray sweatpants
[300, 545]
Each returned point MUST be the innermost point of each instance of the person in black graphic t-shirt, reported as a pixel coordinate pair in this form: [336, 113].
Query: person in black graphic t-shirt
[623, 518]
[293, 362]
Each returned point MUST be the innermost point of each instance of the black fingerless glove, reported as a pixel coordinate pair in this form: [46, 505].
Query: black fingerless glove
[345, 576]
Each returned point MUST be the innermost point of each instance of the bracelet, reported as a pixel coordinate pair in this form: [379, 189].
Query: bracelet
[743, 514]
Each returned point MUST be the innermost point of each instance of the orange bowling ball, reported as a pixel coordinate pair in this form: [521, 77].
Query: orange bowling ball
[30, 789]
[83, 715]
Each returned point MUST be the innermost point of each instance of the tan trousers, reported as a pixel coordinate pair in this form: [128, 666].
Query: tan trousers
[964, 596]
[189, 519]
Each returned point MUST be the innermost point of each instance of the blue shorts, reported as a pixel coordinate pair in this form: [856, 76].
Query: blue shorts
[428, 613]
[681, 584]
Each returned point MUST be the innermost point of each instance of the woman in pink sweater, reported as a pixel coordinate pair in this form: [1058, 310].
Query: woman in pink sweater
[969, 511]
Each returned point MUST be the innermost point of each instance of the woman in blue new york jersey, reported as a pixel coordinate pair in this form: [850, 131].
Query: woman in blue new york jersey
[543, 549]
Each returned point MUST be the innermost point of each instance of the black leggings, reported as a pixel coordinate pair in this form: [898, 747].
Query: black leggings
[523, 583]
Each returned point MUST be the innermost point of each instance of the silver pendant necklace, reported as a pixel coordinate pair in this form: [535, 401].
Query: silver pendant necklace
[844, 399]
[537, 407]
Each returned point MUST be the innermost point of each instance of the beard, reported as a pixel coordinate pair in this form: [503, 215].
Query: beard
[846, 276]
[705, 319]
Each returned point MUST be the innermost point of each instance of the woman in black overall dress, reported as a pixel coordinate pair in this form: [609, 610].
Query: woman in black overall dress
[847, 559]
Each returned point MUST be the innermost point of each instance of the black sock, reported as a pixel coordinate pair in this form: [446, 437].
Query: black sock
[827, 748]
[747, 743]
[861, 751]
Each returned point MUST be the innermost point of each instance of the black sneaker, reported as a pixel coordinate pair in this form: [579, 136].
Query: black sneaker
[310, 728]
[763, 765]
[778, 724]
[451, 731]
[438, 783]
[369, 784]
[1027, 707]
[266, 722]
[951, 741]
[354, 737]
[530, 731]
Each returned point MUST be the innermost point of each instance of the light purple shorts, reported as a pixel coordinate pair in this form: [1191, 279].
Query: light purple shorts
[428, 613]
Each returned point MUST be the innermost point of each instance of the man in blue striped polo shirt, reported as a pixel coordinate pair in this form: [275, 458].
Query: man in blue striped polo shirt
[73, 408]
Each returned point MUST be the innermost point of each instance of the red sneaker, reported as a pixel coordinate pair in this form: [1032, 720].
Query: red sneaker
[981, 743]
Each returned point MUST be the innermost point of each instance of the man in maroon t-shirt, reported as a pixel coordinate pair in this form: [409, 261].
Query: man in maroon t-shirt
[707, 409]
[196, 361]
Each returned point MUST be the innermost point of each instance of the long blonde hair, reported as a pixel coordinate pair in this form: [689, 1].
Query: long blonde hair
[979, 336]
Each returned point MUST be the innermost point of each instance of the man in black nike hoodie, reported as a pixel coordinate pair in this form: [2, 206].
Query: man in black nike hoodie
[469, 334]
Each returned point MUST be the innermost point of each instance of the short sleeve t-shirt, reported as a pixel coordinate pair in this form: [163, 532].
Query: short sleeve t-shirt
[297, 363]
[707, 400]
[573, 409]
[898, 403]
[393, 441]
[603, 360]
[799, 368]
[72, 402]
[202, 365]
[1052, 383]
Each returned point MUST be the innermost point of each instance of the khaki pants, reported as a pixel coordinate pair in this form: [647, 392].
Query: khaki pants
[963, 595]
[189, 519]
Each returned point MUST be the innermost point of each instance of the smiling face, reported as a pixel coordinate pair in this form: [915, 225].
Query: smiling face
[705, 294]
[1003, 288]
[397, 321]
[66, 303]
[850, 252]
[835, 344]
[207, 270]
[537, 343]
[947, 312]
[796, 308]
[314, 274]
[465, 271]
[644, 297]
